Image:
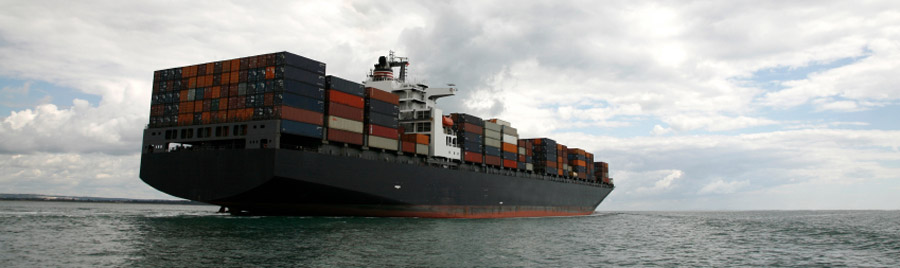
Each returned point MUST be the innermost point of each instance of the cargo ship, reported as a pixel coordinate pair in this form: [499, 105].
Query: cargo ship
[273, 134]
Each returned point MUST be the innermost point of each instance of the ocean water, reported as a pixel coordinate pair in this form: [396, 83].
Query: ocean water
[63, 234]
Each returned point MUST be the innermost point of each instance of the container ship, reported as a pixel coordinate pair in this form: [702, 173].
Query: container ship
[273, 134]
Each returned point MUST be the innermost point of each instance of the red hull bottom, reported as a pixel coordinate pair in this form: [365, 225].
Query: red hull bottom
[419, 211]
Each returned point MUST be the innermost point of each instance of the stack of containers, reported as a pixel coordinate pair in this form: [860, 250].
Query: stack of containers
[469, 131]
[493, 143]
[525, 154]
[382, 119]
[244, 89]
[561, 163]
[508, 144]
[577, 159]
[414, 143]
[345, 110]
[544, 156]
[602, 173]
[590, 165]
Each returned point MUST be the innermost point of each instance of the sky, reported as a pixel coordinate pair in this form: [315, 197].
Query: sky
[695, 105]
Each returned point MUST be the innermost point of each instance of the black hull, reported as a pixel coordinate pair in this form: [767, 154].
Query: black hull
[294, 182]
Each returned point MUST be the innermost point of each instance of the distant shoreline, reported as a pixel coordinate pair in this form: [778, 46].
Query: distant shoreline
[57, 198]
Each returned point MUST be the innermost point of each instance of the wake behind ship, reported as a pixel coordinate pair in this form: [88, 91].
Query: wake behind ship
[274, 135]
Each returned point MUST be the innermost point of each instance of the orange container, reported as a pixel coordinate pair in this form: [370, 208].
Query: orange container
[408, 147]
[183, 95]
[198, 106]
[216, 92]
[346, 99]
[210, 67]
[192, 82]
[472, 157]
[233, 77]
[235, 65]
[221, 117]
[186, 107]
[205, 118]
[416, 138]
[270, 72]
[226, 67]
[301, 115]
[223, 103]
[510, 163]
[382, 95]
[268, 99]
[186, 119]
[509, 147]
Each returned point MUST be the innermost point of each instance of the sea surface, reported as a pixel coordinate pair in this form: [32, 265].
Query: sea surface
[72, 234]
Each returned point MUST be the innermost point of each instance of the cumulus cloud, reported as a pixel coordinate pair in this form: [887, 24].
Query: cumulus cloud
[720, 186]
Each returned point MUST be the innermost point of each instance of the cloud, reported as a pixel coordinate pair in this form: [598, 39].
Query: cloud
[722, 187]
[582, 73]
[92, 174]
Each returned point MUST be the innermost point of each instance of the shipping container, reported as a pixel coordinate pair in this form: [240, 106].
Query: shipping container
[510, 147]
[345, 111]
[499, 122]
[382, 107]
[476, 147]
[422, 149]
[290, 59]
[492, 126]
[382, 120]
[492, 151]
[382, 143]
[346, 99]
[301, 129]
[467, 118]
[299, 88]
[510, 163]
[470, 137]
[344, 136]
[345, 124]
[377, 94]
[301, 115]
[493, 143]
[408, 147]
[467, 127]
[343, 85]
[475, 157]
[493, 134]
[508, 130]
[302, 102]
[416, 138]
[385, 132]
[493, 160]
[289, 73]
[510, 139]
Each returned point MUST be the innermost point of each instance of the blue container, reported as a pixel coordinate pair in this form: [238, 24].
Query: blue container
[299, 88]
[378, 106]
[510, 156]
[344, 85]
[384, 120]
[473, 147]
[293, 73]
[302, 102]
[492, 151]
[290, 59]
[301, 129]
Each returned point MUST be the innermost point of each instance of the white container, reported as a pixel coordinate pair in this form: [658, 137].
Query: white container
[492, 126]
[346, 125]
[422, 149]
[382, 143]
[510, 139]
[493, 134]
[493, 143]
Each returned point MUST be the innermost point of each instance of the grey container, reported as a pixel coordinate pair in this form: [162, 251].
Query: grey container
[492, 126]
